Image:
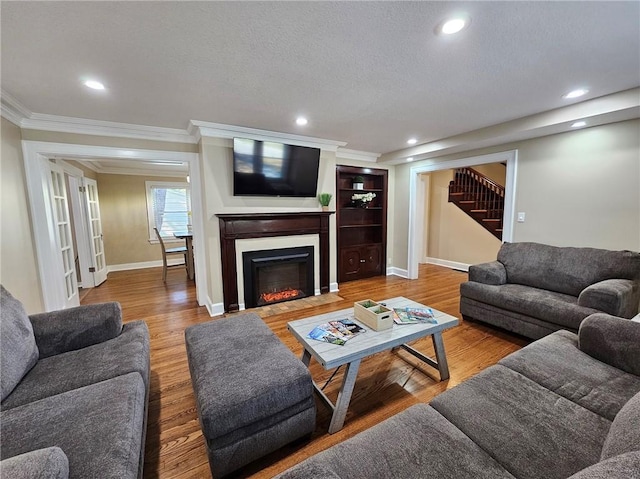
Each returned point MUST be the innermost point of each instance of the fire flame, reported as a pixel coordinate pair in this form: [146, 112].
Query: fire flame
[280, 295]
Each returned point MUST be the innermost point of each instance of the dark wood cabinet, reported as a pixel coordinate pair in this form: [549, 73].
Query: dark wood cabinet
[362, 228]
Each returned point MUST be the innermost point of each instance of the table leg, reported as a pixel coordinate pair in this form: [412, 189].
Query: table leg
[441, 357]
[344, 397]
[306, 358]
[190, 268]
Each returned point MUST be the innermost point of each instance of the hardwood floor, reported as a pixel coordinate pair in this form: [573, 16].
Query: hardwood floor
[387, 382]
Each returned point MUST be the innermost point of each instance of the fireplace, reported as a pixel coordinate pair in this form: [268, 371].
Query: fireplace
[274, 276]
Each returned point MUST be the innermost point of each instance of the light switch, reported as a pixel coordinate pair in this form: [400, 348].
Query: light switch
[521, 217]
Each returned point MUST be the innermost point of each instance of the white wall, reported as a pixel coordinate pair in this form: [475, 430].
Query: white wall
[582, 188]
[217, 182]
[18, 271]
[579, 188]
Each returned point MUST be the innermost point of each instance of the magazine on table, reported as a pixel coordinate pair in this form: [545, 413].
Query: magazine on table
[413, 316]
[336, 332]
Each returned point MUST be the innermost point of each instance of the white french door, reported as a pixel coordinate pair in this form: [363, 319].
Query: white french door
[96, 240]
[64, 242]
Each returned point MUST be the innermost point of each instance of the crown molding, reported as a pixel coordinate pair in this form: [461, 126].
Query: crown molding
[135, 168]
[616, 107]
[83, 126]
[12, 110]
[203, 129]
[357, 155]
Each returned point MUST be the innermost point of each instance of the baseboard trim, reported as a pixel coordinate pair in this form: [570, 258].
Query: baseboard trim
[448, 264]
[393, 271]
[214, 309]
[142, 265]
[333, 287]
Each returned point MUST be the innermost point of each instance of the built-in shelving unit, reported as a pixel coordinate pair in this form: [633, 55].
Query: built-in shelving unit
[362, 231]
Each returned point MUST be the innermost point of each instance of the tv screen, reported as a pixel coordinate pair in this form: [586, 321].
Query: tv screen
[264, 168]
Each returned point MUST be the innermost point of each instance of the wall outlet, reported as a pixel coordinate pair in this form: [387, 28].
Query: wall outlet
[521, 217]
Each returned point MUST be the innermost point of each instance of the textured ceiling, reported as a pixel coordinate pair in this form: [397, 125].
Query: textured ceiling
[371, 74]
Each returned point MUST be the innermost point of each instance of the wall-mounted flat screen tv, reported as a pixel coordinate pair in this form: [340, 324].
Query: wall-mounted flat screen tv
[264, 168]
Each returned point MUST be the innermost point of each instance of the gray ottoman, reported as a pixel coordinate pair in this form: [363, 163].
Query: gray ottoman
[252, 393]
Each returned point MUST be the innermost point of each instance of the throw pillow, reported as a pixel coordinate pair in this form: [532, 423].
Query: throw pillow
[18, 349]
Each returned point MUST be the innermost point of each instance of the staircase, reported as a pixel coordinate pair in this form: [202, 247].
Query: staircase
[478, 196]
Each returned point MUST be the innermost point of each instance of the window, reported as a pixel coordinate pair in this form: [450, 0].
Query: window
[168, 208]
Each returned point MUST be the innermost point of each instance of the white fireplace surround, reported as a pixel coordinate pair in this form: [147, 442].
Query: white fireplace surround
[271, 243]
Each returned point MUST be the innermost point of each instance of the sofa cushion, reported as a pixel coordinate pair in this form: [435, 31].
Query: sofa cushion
[557, 363]
[565, 269]
[99, 427]
[624, 435]
[557, 308]
[624, 466]
[416, 443]
[18, 350]
[47, 463]
[522, 424]
[129, 352]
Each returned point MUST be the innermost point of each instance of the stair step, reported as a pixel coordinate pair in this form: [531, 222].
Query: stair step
[467, 202]
[498, 230]
[491, 219]
[456, 194]
[478, 211]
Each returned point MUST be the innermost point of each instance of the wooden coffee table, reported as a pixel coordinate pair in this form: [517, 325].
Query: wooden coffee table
[366, 344]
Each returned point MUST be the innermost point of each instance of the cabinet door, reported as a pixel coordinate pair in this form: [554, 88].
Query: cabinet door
[372, 256]
[350, 264]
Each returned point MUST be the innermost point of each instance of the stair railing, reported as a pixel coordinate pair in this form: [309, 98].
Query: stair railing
[480, 197]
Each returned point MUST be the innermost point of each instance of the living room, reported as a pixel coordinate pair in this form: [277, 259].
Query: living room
[577, 186]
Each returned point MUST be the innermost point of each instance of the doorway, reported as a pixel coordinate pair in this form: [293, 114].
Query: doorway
[417, 201]
[37, 159]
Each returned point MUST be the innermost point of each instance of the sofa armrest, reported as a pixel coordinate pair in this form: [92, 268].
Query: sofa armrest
[612, 340]
[47, 463]
[488, 273]
[618, 297]
[76, 328]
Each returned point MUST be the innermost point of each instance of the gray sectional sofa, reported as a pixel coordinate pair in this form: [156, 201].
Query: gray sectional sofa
[75, 386]
[535, 289]
[566, 406]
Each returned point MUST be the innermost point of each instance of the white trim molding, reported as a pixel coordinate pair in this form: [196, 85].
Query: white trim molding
[448, 264]
[416, 198]
[142, 265]
[204, 129]
[37, 155]
[82, 126]
[346, 154]
[333, 287]
[214, 309]
[12, 109]
[393, 271]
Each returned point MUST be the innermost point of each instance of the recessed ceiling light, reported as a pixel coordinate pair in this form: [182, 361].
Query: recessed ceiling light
[453, 25]
[575, 93]
[301, 120]
[93, 84]
[412, 141]
[410, 158]
[579, 124]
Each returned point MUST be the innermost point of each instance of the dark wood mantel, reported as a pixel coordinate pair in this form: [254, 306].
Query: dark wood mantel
[262, 225]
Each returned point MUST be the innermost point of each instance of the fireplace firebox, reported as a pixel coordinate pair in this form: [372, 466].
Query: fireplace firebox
[274, 276]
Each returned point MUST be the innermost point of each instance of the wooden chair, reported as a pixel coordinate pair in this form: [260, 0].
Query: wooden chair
[180, 250]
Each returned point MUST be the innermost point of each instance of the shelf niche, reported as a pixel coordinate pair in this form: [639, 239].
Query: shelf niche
[361, 232]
